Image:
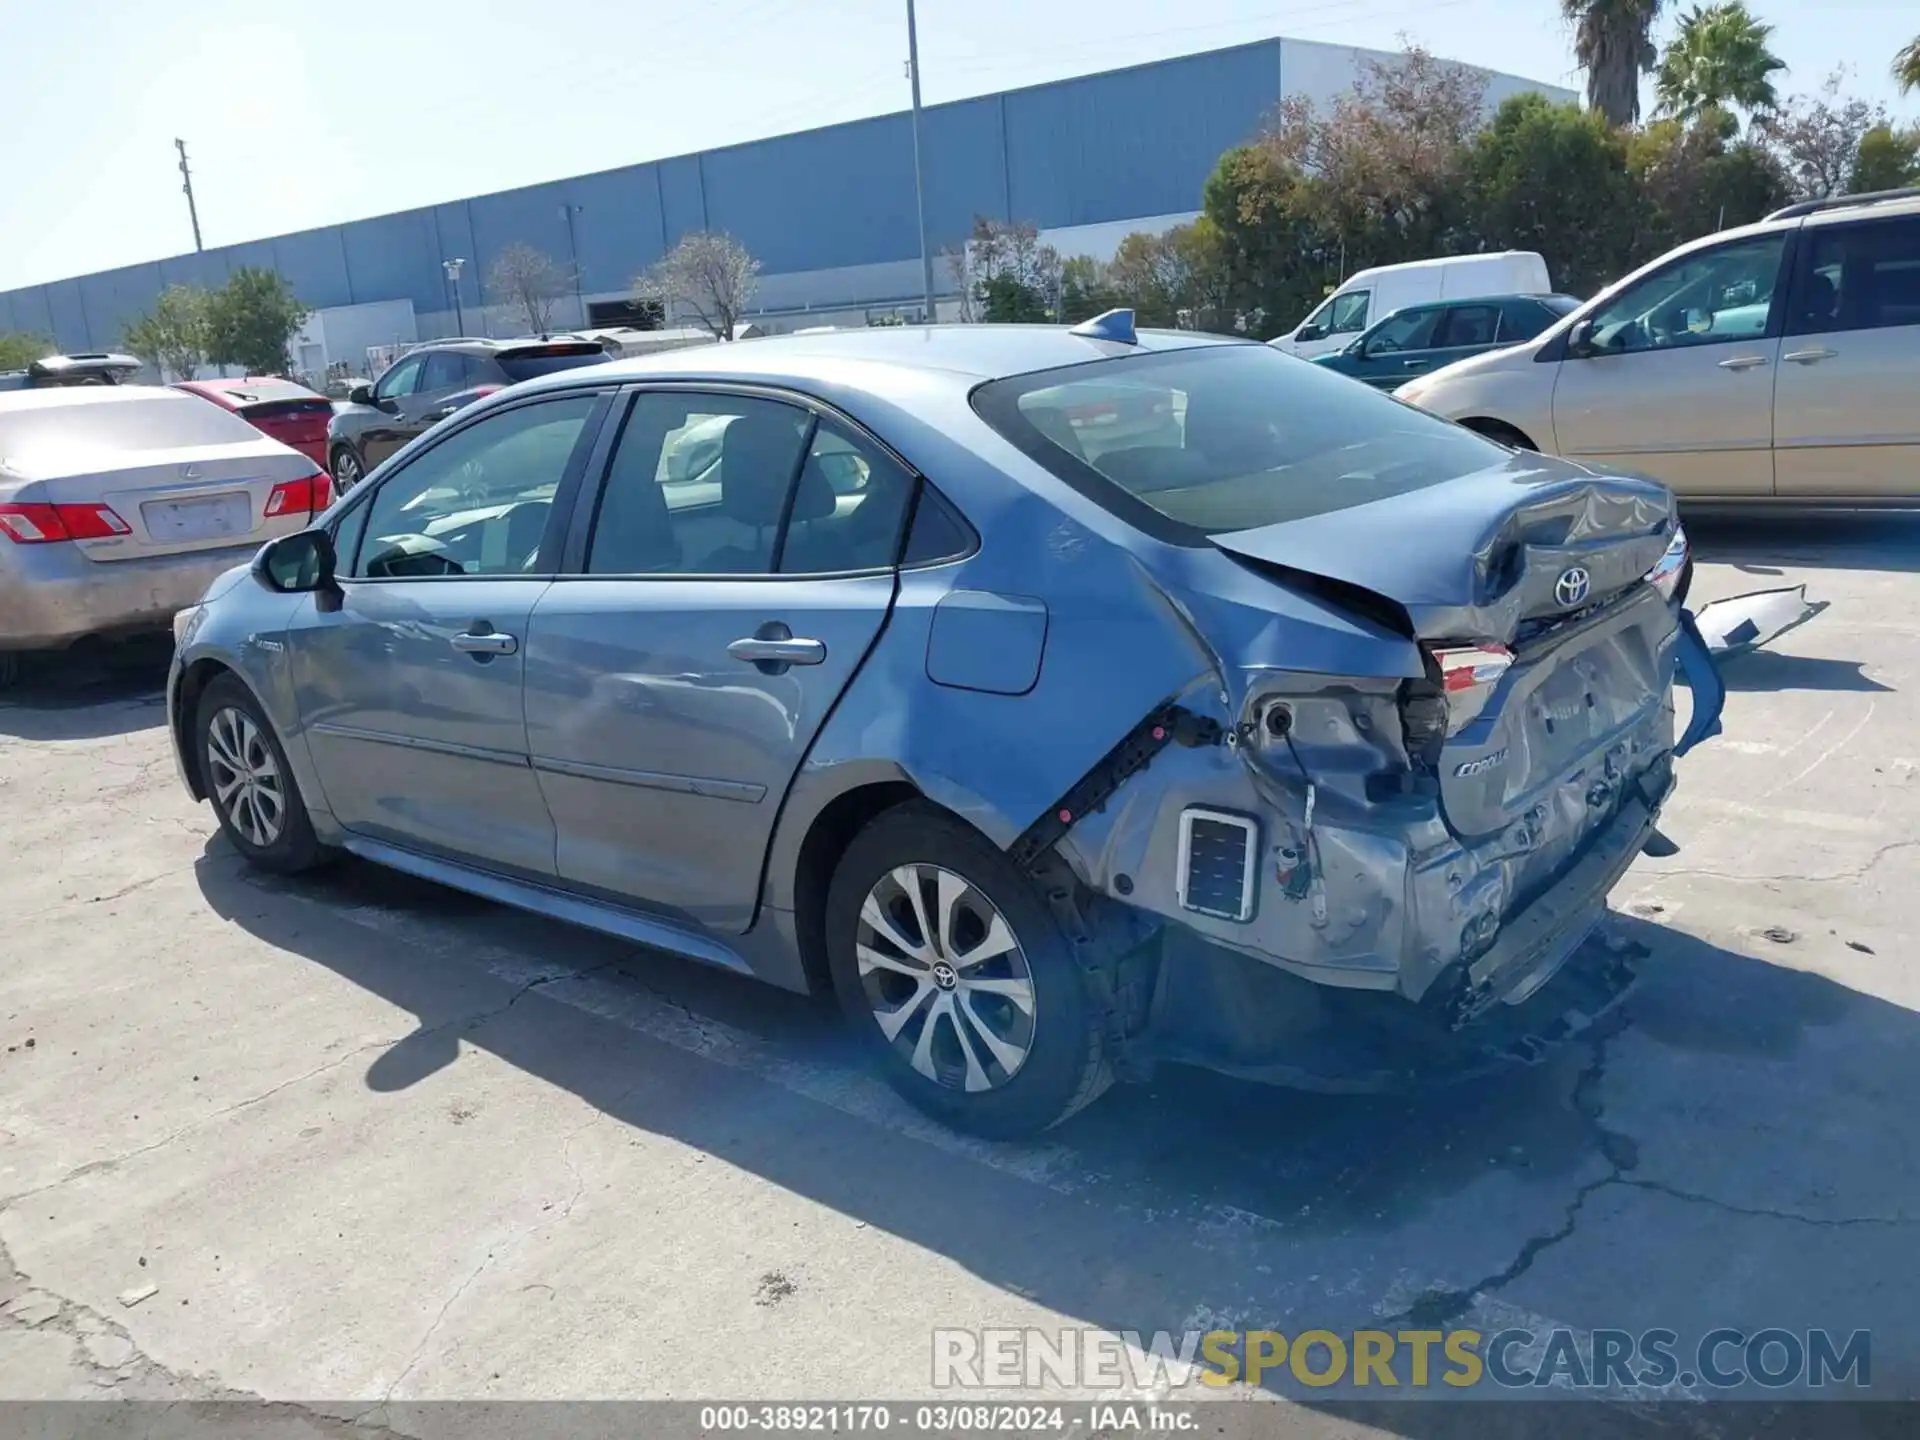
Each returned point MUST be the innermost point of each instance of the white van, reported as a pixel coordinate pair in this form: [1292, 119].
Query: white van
[1375, 294]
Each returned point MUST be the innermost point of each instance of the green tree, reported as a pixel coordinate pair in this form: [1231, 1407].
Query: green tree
[1888, 159]
[1086, 289]
[1719, 60]
[250, 320]
[1277, 258]
[174, 337]
[19, 351]
[1696, 179]
[1553, 178]
[1010, 276]
[1613, 43]
[1906, 67]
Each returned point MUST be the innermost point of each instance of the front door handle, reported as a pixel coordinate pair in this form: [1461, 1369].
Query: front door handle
[1416, 364]
[483, 640]
[1743, 362]
[1811, 357]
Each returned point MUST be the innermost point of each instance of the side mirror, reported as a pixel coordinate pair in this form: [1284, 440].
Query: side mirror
[361, 395]
[1580, 340]
[1310, 332]
[296, 564]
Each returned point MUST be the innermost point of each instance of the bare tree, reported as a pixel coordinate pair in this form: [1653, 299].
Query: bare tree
[528, 282]
[954, 259]
[1819, 137]
[708, 276]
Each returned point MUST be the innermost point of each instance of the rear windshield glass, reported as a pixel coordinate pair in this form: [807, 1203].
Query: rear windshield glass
[1211, 440]
[546, 362]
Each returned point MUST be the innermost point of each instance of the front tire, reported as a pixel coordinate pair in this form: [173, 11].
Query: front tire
[347, 470]
[250, 784]
[951, 967]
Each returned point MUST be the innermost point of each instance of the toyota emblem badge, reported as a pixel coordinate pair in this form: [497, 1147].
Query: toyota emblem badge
[1572, 586]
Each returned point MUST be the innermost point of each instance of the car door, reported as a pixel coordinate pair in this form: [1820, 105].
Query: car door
[443, 379]
[1393, 351]
[709, 620]
[409, 682]
[1678, 379]
[1844, 420]
[386, 431]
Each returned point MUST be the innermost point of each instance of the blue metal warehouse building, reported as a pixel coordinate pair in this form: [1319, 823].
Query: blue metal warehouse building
[828, 212]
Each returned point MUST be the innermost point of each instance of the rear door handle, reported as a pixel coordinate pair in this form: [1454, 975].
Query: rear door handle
[774, 650]
[1743, 362]
[1811, 357]
[485, 642]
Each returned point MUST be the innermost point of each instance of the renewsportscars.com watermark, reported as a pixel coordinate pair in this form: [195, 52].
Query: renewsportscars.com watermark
[1512, 1359]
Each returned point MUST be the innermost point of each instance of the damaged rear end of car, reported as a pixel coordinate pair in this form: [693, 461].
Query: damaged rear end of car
[1431, 725]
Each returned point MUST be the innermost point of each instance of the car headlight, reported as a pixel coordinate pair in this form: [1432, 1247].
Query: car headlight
[1672, 568]
[1412, 391]
[185, 622]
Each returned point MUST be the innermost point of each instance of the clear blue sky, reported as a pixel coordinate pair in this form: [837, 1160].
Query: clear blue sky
[297, 115]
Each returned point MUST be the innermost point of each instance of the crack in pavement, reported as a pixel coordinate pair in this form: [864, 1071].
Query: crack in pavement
[1858, 873]
[1758, 1212]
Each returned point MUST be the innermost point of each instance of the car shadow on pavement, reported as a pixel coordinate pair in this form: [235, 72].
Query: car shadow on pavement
[1849, 540]
[1742, 1148]
[1758, 670]
[88, 696]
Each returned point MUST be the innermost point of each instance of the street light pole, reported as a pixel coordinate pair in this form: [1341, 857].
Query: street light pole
[573, 258]
[193, 211]
[919, 186]
[453, 268]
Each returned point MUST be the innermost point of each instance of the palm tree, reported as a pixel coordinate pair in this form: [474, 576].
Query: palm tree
[1613, 41]
[1719, 60]
[1906, 67]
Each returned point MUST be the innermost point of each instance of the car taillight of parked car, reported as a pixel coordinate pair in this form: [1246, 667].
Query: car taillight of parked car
[307, 496]
[43, 524]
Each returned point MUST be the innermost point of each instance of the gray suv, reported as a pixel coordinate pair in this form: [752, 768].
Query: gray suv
[429, 383]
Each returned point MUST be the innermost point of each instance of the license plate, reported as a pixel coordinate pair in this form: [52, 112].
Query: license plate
[210, 518]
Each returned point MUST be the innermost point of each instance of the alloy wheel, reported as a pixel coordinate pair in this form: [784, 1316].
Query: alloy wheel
[346, 472]
[247, 784]
[945, 977]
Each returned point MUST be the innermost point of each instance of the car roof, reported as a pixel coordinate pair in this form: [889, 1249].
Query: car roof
[975, 352]
[53, 397]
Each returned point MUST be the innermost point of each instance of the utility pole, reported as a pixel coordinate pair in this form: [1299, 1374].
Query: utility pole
[186, 174]
[452, 267]
[919, 187]
[573, 257]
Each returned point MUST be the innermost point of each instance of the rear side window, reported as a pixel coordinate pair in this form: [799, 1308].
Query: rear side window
[1860, 277]
[1253, 438]
[444, 370]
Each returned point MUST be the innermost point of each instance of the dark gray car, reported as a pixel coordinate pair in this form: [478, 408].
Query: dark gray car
[426, 385]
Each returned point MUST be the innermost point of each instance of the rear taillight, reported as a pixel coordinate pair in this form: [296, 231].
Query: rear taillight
[1468, 675]
[1667, 575]
[306, 496]
[43, 524]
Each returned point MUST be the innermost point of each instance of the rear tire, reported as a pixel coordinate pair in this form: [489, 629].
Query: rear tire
[250, 784]
[347, 470]
[1502, 433]
[951, 967]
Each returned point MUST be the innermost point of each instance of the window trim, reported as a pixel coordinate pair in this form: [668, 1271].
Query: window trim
[565, 495]
[1803, 269]
[586, 513]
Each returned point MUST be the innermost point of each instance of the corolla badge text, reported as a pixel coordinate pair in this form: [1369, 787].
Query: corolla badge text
[1482, 765]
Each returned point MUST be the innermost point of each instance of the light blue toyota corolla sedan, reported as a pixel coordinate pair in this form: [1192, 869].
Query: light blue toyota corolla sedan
[1063, 701]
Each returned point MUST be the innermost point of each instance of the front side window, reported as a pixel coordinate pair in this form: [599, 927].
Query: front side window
[1256, 439]
[477, 503]
[1715, 297]
[1409, 330]
[1347, 315]
[402, 378]
[740, 485]
[443, 371]
[1860, 277]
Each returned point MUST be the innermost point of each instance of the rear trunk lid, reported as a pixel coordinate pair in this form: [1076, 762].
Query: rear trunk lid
[181, 475]
[1523, 584]
[298, 424]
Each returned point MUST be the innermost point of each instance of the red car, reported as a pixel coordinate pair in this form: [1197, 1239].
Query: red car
[290, 413]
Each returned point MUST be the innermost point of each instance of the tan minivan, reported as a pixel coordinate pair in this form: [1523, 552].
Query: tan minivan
[1779, 362]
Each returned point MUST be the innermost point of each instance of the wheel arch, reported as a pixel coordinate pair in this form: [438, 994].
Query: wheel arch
[187, 691]
[1499, 430]
[826, 839]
